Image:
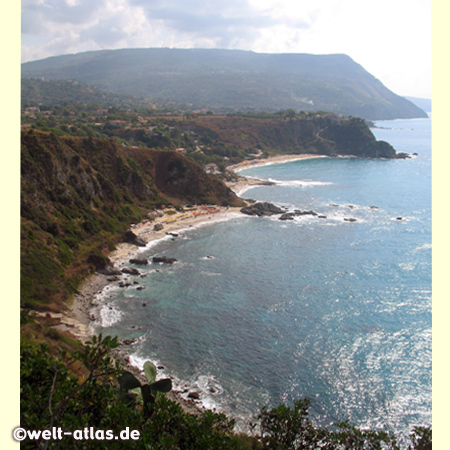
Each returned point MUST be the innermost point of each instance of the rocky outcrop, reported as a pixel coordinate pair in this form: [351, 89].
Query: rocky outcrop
[109, 270]
[164, 259]
[130, 238]
[262, 209]
[130, 271]
[139, 261]
[268, 209]
[287, 216]
[297, 212]
[194, 395]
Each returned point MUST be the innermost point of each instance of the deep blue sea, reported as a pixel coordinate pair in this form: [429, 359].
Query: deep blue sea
[259, 311]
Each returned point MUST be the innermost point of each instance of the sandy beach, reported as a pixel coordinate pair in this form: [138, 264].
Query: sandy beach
[242, 184]
[276, 159]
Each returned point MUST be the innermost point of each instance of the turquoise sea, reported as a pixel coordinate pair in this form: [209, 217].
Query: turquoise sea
[259, 311]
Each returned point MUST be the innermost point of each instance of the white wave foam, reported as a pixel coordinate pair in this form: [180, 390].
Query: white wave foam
[139, 361]
[109, 315]
[300, 183]
[423, 247]
[214, 218]
[240, 192]
[208, 388]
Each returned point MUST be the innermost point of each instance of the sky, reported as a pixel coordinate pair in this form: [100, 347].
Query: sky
[391, 39]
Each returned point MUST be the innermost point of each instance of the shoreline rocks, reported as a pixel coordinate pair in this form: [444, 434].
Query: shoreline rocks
[164, 259]
[109, 271]
[139, 261]
[287, 216]
[297, 212]
[262, 209]
[130, 271]
[130, 238]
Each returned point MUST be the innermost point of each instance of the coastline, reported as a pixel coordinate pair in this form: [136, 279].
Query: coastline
[192, 408]
[242, 184]
[276, 159]
[79, 318]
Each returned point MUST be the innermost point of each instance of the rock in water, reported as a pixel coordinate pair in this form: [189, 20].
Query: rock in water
[131, 271]
[139, 261]
[194, 395]
[297, 212]
[287, 216]
[164, 259]
[262, 209]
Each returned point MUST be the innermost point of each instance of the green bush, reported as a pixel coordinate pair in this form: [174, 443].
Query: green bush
[285, 428]
[52, 396]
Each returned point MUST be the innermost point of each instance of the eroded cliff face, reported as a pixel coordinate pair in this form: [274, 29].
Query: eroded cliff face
[79, 195]
[176, 176]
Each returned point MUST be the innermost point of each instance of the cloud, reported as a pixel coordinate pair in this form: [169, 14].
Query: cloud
[204, 16]
[37, 15]
[222, 22]
[88, 25]
[52, 27]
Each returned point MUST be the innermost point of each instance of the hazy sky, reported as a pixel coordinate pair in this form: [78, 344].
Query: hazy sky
[389, 38]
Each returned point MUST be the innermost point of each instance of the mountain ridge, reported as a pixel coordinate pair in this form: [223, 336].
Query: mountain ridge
[232, 80]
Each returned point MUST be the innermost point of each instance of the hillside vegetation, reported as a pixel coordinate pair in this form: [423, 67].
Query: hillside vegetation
[232, 80]
[316, 133]
[40, 92]
[79, 195]
[208, 138]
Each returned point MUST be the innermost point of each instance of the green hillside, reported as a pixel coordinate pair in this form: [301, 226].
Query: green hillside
[78, 197]
[232, 80]
[56, 92]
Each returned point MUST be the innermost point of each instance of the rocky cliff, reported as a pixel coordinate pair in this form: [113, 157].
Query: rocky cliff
[78, 197]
